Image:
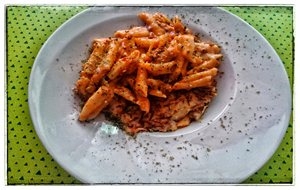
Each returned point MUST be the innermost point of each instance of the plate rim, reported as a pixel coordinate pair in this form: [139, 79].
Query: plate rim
[284, 129]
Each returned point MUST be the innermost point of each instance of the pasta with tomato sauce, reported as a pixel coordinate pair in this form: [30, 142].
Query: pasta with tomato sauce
[157, 77]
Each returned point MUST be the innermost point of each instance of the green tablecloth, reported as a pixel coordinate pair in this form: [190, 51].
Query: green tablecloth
[28, 27]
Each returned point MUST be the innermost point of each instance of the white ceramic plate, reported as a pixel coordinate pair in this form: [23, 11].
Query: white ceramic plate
[240, 131]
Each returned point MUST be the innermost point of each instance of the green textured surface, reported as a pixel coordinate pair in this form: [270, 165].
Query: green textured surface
[28, 27]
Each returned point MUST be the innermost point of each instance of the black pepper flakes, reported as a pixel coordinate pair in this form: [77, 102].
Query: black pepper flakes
[195, 157]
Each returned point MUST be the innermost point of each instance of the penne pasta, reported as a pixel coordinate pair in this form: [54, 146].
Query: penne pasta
[107, 63]
[96, 103]
[180, 63]
[144, 103]
[111, 54]
[205, 81]
[151, 23]
[152, 42]
[130, 80]
[187, 44]
[146, 42]
[184, 69]
[159, 17]
[159, 68]
[207, 48]
[138, 32]
[82, 84]
[211, 72]
[210, 56]
[141, 87]
[100, 41]
[157, 93]
[122, 65]
[206, 65]
[91, 88]
[164, 22]
[121, 33]
[125, 48]
[164, 39]
[133, 32]
[195, 60]
[158, 84]
[125, 93]
[95, 58]
[178, 26]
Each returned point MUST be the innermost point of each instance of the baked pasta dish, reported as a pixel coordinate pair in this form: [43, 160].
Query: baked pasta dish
[157, 77]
